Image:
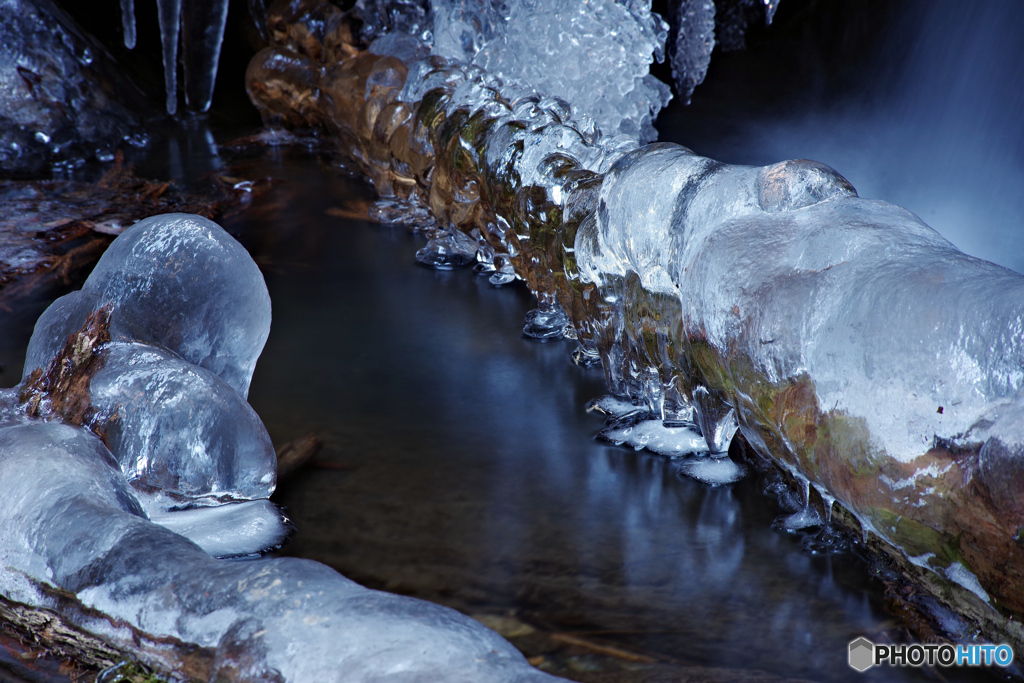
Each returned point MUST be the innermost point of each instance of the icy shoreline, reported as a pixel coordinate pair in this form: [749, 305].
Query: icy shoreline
[130, 462]
[843, 338]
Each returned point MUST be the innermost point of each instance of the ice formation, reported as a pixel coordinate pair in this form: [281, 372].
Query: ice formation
[199, 29]
[130, 462]
[62, 98]
[732, 18]
[555, 47]
[694, 39]
[844, 339]
[154, 355]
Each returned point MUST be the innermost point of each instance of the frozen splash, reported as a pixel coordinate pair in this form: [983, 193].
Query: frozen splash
[521, 41]
[842, 337]
[130, 463]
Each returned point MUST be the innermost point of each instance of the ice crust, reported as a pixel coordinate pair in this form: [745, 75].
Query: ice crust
[523, 41]
[117, 522]
[842, 337]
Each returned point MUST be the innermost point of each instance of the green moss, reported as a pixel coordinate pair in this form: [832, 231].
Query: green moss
[916, 539]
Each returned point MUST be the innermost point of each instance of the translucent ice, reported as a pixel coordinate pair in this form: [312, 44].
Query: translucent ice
[554, 47]
[177, 281]
[448, 250]
[75, 540]
[654, 436]
[169, 16]
[712, 471]
[613, 406]
[690, 53]
[198, 28]
[202, 33]
[546, 323]
[229, 530]
[410, 17]
[178, 428]
[128, 23]
[62, 97]
[171, 409]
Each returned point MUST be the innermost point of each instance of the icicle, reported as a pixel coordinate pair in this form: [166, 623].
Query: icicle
[128, 22]
[691, 49]
[769, 11]
[170, 15]
[716, 419]
[258, 12]
[828, 500]
[804, 518]
[202, 23]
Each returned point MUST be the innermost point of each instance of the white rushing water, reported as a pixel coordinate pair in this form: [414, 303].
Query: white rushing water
[932, 124]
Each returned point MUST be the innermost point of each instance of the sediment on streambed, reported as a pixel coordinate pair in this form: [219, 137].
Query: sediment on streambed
[847, 342]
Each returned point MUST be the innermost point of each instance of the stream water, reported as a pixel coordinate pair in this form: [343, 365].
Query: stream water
[460, 466]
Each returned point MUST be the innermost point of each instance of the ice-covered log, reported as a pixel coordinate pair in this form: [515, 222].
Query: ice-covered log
[847, 342]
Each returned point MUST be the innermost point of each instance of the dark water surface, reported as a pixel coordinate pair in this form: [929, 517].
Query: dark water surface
[459, 464]
[461, 467]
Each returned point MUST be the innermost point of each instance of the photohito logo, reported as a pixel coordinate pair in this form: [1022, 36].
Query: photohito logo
[864, 654]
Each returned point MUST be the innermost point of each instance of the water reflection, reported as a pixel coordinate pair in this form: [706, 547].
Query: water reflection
[461, 467]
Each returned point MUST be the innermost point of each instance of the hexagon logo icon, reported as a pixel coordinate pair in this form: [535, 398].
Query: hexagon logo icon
[862, 654]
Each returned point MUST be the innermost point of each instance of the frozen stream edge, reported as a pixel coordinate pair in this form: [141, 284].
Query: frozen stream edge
[874, 365]
[130, 425]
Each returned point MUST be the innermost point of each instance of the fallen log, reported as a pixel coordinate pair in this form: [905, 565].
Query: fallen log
[852, 348]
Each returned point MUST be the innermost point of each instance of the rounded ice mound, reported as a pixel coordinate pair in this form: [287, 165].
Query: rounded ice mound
[47, 463]
[178, 428]
[181, 282]
[795, 184]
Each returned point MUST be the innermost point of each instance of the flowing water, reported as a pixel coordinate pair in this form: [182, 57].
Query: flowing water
[460, 466]
[917, 103]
